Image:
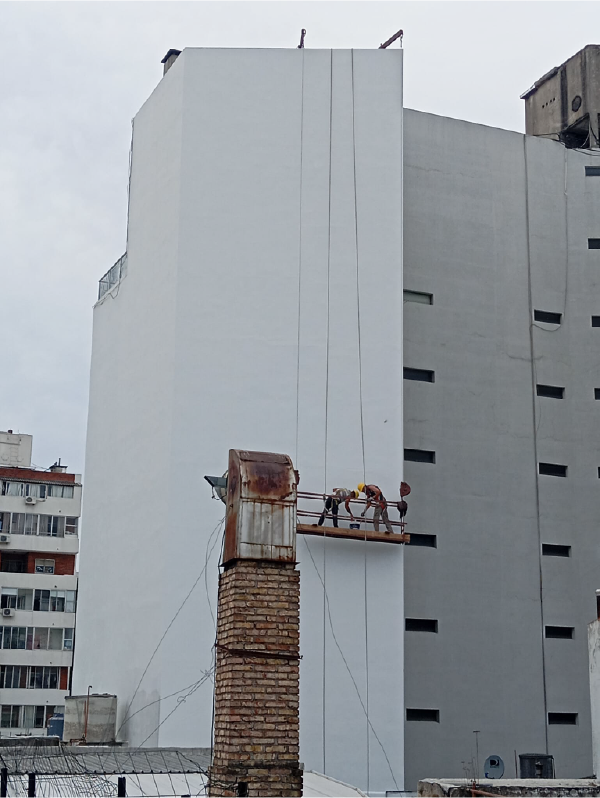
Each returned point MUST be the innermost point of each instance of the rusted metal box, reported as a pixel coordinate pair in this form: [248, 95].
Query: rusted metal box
[261, 507]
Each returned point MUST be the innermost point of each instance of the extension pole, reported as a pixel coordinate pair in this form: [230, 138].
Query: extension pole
[3, 782]
[31, 786]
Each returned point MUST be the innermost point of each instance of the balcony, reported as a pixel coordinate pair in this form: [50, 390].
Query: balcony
[69, 544]
[114, 275]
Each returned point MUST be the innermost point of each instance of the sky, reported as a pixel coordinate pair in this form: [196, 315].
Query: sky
[73, 76]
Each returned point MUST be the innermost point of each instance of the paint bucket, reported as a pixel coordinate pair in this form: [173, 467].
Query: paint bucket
[354, 526]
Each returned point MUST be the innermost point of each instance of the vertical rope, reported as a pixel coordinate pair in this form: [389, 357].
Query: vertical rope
[299, 257]
[362, 426]
[535, 447]
[327, 399]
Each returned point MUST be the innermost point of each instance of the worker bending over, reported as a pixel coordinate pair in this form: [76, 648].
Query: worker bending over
[376, 498]
[333, 502]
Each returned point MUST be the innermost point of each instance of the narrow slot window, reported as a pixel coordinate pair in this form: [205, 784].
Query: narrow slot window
[421, 297]
[595, 321]
[596, 393]
[592, 171]
[432, 715]
[419, 456]
[552, 469]
[547, 317]
[556, 550]
[421, 625]
[593, 243]
[420, 375]
[562, 718]
[551, 391]
[560, 632]
[421, 539]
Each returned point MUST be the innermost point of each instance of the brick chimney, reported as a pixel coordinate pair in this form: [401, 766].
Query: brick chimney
[256, 727]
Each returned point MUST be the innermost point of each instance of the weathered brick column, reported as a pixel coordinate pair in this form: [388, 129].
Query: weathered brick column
[256, 734]
[256, 723]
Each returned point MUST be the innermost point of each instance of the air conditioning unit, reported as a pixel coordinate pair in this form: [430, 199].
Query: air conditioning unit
[8, 612]
[4, 537]
[30, 500]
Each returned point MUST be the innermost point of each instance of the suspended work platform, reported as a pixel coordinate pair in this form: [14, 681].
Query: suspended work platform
[352, 534]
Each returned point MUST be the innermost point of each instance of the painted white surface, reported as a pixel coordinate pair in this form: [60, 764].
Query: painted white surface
[197, 352]
[15, 450]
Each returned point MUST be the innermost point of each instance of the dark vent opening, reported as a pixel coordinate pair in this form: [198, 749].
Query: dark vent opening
[593, 243]
[432, 715]
[421, 375]
[596, 393]
[553, 469]
[556, 550]
[420, 625]
[422, 539]
[562, 718]
[551, 391]
[419, 456]
[592, 171]
[595, 321]
[547, 317]
[421, 297]
[560, 632]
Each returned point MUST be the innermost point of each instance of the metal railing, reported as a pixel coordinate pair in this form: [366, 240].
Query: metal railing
[112, 276]
[344, 520]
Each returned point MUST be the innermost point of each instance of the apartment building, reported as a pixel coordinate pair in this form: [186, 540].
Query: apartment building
[39, 520]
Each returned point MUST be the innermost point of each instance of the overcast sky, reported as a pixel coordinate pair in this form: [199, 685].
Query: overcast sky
[74, 74]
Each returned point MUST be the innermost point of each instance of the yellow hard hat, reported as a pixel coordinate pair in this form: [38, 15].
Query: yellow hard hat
[361, 487]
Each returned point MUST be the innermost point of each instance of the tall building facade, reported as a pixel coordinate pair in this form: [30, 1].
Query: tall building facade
[259, 306]
[39, 519]
[502, 445]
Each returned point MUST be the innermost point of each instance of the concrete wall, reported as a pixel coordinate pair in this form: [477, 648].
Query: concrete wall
[496, 225]
[237, 327]
[594, 661]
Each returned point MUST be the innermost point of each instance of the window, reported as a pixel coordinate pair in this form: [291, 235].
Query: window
[547, 317]
[41, 601]
[564, 718]
[551, 391]
[595, 321]
[556, 550]
[60, 491]
[560, 632]
[33, 638]
[593, 243]
[16, 598]
[419, 456]
[9, 716]
[13, 562]
[423, 714]
[23, 489]
[420, 297]
[420, 625]
[421, 375]
[420, 539]
[13, 676]
[43, 677]
[34, 489]
[552, 469]
[596, 393]
[71, 526]
[68, 639]
[592, 171]
[44, 566]
[30, 524]
[52, 526]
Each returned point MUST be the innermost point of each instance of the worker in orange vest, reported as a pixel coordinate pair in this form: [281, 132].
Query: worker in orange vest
[376, 498]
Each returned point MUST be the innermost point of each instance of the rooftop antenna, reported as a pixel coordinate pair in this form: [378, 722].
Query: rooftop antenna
[392, 39]
[302, 35]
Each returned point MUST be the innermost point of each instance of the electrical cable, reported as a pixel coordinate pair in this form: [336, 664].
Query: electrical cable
[181, 606]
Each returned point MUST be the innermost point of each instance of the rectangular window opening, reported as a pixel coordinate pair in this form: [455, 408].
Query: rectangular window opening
[547, 317]
[421, 539]
[552, 469]
[419, 456]
[592, 171]
[596, 393]
[593, 243]
[556, 550]
[560, 632]
[562, 718]
[432, 715]
[595, 321]
[551, 391]
[420, 375]
[421, 297]
[420, 625]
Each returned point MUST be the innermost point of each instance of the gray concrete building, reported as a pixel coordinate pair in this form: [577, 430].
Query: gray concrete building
[502, 390]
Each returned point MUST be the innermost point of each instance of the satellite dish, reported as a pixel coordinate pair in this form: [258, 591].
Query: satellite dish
[494, 767]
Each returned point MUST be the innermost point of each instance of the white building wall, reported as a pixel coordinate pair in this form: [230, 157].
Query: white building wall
[594, 659]
[242, 245]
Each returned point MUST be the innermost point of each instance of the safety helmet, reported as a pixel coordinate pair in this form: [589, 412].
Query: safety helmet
[361, 487]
